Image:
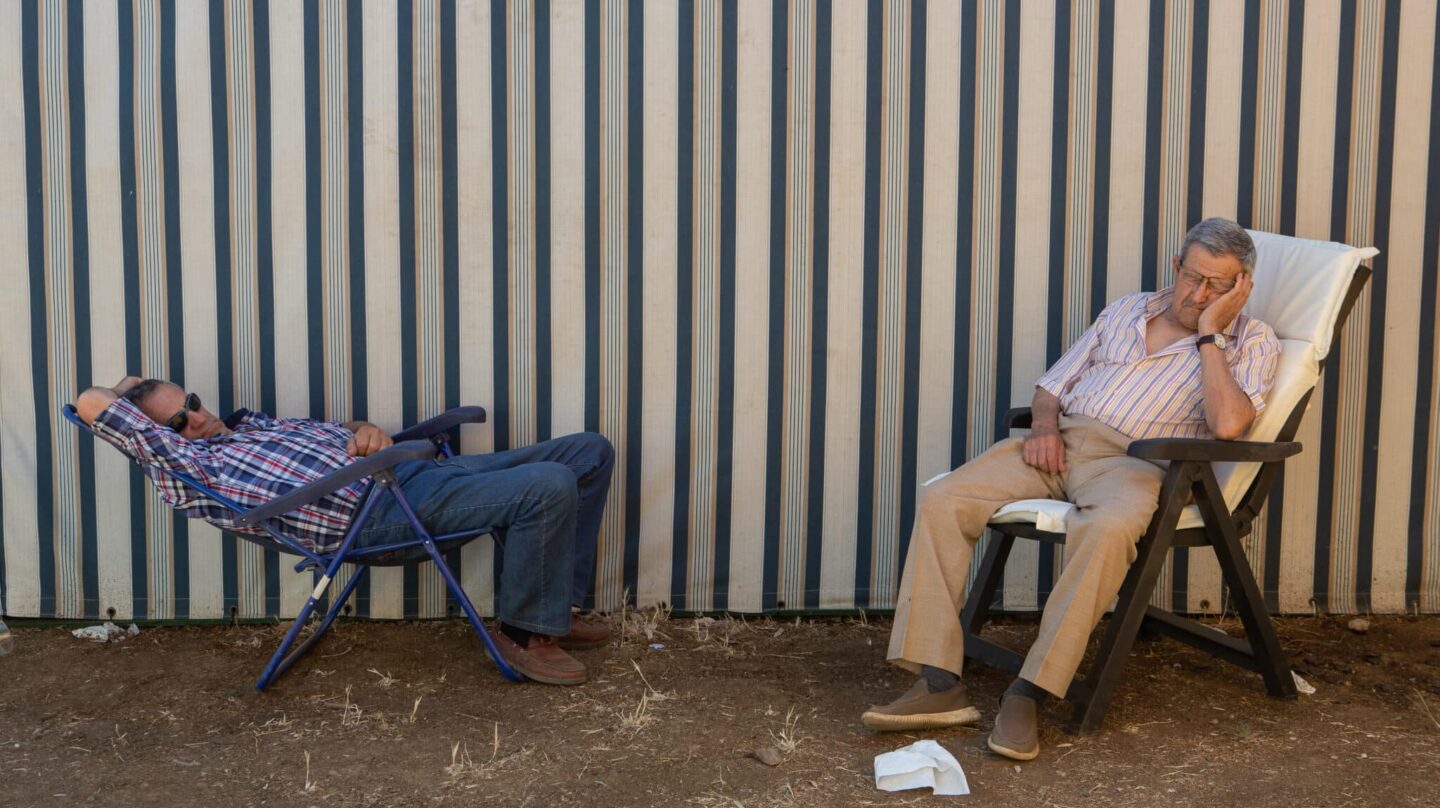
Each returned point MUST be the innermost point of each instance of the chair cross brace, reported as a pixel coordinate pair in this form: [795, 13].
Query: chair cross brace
[1092, 692]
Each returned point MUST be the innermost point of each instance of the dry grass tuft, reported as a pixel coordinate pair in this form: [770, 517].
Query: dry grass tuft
[642, 625]
[462, 765]
[1425, 708]
[787, 739]
[386, 680]
[352, 714]
[638, 718]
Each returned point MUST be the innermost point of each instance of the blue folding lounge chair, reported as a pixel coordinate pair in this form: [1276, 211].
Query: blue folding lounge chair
[421, 442]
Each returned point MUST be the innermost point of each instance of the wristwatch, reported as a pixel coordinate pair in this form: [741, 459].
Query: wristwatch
[1218, 339]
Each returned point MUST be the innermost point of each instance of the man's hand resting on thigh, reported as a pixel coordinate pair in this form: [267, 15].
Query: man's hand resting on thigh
[1044, 448]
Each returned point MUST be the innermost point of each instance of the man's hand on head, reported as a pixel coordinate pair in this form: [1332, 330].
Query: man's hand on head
[367, 440]
[94, 400]
[1222, 312]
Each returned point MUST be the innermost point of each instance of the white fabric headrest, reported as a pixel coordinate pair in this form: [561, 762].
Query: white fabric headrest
[1295, 375]
[1300, 285]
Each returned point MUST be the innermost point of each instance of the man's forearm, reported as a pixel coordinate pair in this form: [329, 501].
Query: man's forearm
[1228, 411]
[94, 400]
[1044, 410]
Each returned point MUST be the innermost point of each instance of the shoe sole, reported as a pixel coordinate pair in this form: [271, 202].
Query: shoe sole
[1013, 754]
[582, 646]
[548, 680]
[886, 721]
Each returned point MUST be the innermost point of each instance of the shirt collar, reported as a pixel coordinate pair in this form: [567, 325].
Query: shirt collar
[236, 418]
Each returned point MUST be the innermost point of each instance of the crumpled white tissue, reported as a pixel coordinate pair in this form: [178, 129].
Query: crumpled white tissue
[923, 764]
[106, 633]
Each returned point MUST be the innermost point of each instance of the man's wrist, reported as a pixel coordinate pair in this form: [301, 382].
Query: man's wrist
[1044, 426]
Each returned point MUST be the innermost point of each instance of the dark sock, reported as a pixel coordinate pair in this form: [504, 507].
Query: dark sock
[1021, 687]
[519, 635]
[937, 679]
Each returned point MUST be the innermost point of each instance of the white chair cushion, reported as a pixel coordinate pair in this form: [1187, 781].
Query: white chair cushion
[1049, 515]
[1300, 285]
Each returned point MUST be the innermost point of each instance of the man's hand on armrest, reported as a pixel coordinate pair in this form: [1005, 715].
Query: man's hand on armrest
[367, 440]
[95, 400]
[1044, 449]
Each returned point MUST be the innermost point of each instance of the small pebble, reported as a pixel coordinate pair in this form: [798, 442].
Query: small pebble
[1359, 625]
[768, 755]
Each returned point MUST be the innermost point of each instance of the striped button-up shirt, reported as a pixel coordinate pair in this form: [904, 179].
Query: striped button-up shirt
[1107, 375]
[261, 459]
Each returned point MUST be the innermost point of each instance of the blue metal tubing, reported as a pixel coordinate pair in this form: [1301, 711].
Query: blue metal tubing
[280, 661]
[457, 590]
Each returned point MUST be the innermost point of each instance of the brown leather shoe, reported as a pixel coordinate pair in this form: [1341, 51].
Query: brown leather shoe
[541, 659]
[586, 632]
[1015, 735]
[921, 709]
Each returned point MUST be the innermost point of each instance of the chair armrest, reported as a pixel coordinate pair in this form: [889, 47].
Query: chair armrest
[1195, 449]
[336, 480]
[443, 422]
[1018, 418]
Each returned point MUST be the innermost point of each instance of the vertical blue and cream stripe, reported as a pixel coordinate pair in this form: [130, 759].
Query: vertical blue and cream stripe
[791, 256]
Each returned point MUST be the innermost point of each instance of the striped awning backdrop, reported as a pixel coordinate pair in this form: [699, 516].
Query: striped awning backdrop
[791, 257]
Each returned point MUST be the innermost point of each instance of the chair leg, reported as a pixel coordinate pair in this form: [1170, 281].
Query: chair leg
[1130, 606]
[1120, 635]
[987, 579]
[1269, 656]
[459, 592]
[283, 658]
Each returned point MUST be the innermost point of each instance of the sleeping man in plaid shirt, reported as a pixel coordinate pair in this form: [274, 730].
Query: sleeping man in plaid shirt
[548, 498]
[1181, 362]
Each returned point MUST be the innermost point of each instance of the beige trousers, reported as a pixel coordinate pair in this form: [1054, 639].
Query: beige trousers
[1114, 496]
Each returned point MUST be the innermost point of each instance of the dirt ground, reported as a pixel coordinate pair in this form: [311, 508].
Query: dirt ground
[412, 714]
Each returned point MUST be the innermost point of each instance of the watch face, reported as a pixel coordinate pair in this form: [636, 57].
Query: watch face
[1221, 342]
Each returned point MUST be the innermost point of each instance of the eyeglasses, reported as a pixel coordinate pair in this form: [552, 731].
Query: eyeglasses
[181, 419]
[1216, 285]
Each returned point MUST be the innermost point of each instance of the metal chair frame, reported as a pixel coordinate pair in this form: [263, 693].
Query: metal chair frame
[421, 442]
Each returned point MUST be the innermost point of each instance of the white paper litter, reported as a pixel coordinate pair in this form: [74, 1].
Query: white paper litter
[106, 633]
[1302, 685]
[923, 764]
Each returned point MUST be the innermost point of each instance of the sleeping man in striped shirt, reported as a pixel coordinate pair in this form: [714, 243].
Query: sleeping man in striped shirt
[548, 498]
[1182, 362]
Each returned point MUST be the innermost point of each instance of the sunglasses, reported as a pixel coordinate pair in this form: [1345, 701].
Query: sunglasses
[181, 419]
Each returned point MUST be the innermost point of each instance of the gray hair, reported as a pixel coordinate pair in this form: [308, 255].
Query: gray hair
[1221, 237]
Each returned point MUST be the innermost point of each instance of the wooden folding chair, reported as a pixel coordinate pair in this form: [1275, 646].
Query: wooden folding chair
[1304, 290]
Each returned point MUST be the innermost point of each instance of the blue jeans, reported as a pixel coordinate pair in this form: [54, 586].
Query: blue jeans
[544, 501]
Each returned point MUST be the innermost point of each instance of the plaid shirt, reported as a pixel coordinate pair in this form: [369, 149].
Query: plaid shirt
[262, 458]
